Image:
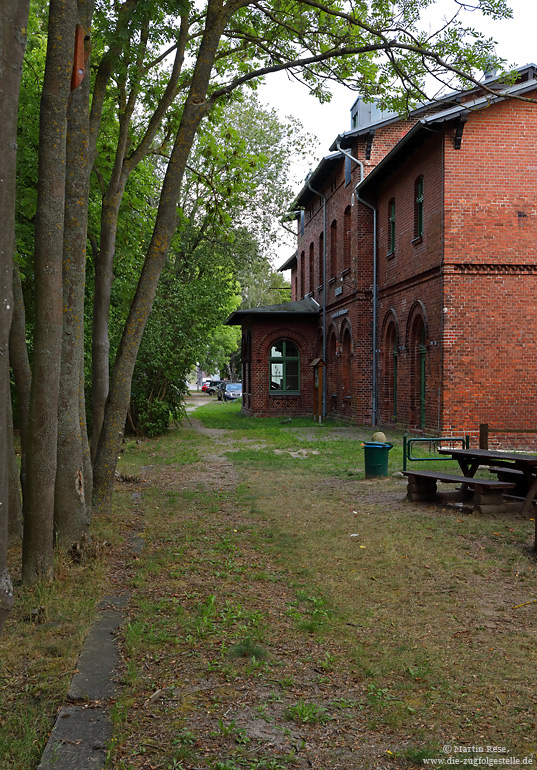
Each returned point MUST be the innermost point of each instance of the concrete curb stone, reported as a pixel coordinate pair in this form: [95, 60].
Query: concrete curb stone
[83, 729]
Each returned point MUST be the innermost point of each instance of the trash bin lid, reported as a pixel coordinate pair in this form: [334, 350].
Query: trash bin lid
[383, 444]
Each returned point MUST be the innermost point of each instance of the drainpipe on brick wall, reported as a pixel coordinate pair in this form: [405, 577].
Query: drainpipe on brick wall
[316, 192]
[374, 210]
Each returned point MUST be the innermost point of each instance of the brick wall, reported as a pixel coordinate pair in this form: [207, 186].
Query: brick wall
[491, 271]
[265, 331]
[456, 307]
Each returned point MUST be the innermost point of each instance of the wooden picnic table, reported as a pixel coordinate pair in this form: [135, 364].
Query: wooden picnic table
[470, 460]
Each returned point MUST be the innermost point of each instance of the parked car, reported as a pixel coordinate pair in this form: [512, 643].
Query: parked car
[212, 386]
[229, 391]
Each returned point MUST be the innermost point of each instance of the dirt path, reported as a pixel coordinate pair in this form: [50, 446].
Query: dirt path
[298, 704]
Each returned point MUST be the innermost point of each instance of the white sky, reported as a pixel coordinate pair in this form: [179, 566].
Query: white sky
[515, 41]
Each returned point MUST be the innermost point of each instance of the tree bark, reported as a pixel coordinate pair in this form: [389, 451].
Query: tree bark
[14, 502]
[38, 540]
[13, 23]
[195, 109]
[20, 366]
[72, 509]
[104, 278]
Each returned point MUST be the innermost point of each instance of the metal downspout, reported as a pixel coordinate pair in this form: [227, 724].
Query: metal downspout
[316, 192]
[374, 332]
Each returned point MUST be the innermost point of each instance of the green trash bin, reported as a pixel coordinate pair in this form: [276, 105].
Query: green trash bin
[376, 459]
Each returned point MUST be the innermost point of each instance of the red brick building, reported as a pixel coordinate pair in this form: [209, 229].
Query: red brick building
[415, 276]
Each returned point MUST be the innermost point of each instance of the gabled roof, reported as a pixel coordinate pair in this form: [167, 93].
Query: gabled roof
[289, 263]
[317, 177]
[527, 74]
[480, 100]
[303, 308]
[458, 114]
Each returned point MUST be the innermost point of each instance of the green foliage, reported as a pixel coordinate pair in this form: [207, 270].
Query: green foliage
[247, 648]
[305, 713]
[185, 317]
[237, 173]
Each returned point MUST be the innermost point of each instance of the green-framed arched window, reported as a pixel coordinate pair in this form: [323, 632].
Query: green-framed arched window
[284, 365]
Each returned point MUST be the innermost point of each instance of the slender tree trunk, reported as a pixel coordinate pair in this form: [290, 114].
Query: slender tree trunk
[13, 23]
[104, 256]
[195, 109]
[14, 503]
[38, 540]
[104, 278]
[72, 513]
[20, 366]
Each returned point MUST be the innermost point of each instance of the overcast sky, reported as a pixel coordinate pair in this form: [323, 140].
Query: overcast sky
[516, 42]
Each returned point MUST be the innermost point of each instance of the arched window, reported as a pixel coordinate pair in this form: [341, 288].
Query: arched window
[418, 352]
[418, 207]
[320, 264]
[391, 226]
[347, 238]
[389, 390]
[333, 249]
[284, 362]
[302, 274]
[311, 278]
[346, 363]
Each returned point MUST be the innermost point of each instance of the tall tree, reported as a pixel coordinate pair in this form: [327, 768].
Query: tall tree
[38, 539]
[13, 22]
[126, 59]
[72, 509]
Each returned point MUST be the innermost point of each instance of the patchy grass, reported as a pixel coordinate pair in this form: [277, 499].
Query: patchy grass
[383, 629]
[39, 650]
[44, 632]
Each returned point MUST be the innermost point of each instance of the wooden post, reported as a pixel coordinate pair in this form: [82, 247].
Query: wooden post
[484, 435]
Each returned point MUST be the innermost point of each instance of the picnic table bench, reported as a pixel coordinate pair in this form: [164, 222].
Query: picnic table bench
[515, 475]
[485, 494]
[508, 463]
[515, 489]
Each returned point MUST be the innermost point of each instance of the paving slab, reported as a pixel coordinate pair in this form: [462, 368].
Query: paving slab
[83, 728]
[78, 740]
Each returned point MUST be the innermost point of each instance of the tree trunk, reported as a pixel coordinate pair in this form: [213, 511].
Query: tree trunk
[38, 540]
[13, 23]
[20, 366]
[195, 109]
[104, 278]
[72, 512]
[105, 254]
[14, 502]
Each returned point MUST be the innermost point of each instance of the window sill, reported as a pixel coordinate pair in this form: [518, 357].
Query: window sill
[390, 255]
[331, 281]
[284, 393]
[417, 240]
[345, 272]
